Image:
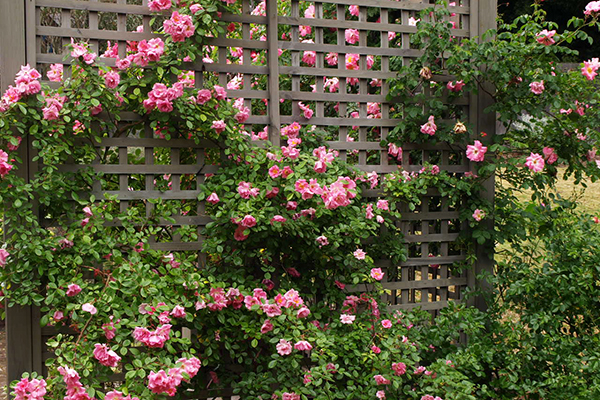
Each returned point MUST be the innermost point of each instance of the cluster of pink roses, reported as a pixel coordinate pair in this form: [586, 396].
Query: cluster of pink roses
[284, 347]
[75, 390]
[325, 157]
[179, 26]
[53, 106]
[162, 97]
[143, 53]
[168, 381]
[33, 389]
[82, 50]
[156, 338]
[26, 83]
[339, 193]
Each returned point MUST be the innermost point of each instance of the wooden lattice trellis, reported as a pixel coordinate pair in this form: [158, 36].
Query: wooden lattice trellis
[35, 31]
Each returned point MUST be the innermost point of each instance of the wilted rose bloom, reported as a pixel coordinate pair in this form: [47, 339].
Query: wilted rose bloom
[425, 73]
[460, 128]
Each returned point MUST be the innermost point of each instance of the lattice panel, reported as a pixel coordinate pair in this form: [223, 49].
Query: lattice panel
[276, 67]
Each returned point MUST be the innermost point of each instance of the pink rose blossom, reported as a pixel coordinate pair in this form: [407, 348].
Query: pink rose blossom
[267, 326]
[219, 126]
[380, 394]
[478, 215]
[178, 312]
[535, 162]
[3, 256]
[303, 312]
[377, 274]
[537, 87]
[106, 356]
[399, 368]
[592, 7]
[476, 152]
[590, 68]
[73, 289]
[112, 79]
[159, 5]
[347, 319]
[89, 308]
[430, 127]
[545, 37]
[375, 349]
[58, 315]
[359, 254]
[179, 26]
[386, 323]
[352, 36]
[303, 345]
[380, 380]
[284, 347]
[213, 198]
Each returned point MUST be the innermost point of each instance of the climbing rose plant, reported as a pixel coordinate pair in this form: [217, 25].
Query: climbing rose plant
[286, 300]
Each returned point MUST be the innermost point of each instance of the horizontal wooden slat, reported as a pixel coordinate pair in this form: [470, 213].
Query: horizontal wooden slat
[178, 220]
[78, 33]
[436, 237]
[436, 305]
[144, 169]
[179, 246]
[365, 26]
[94, 6]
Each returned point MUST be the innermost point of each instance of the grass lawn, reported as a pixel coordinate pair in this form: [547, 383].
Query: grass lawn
[588, 199]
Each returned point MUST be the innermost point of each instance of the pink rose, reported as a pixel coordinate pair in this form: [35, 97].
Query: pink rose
[106, 356]
[3, 256]
[537, 87]
[284, 347]
[303, 345]
[73, 290]
[386, 323]
[213, 198]
[89, 308]
[359, 254]
[377, 274]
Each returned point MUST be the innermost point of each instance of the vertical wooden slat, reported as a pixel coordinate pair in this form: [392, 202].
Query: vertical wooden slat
[273, 57]
[486, 122]
[12, 40]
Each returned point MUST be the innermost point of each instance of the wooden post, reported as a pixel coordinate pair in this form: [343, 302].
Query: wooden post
[273, 62]
[486, 122]
[23, 333]
[12, 40]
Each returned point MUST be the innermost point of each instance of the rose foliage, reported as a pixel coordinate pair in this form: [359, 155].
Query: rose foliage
[287, 299]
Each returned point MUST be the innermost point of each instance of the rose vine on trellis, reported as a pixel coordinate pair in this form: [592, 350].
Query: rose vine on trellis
[289, 239]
